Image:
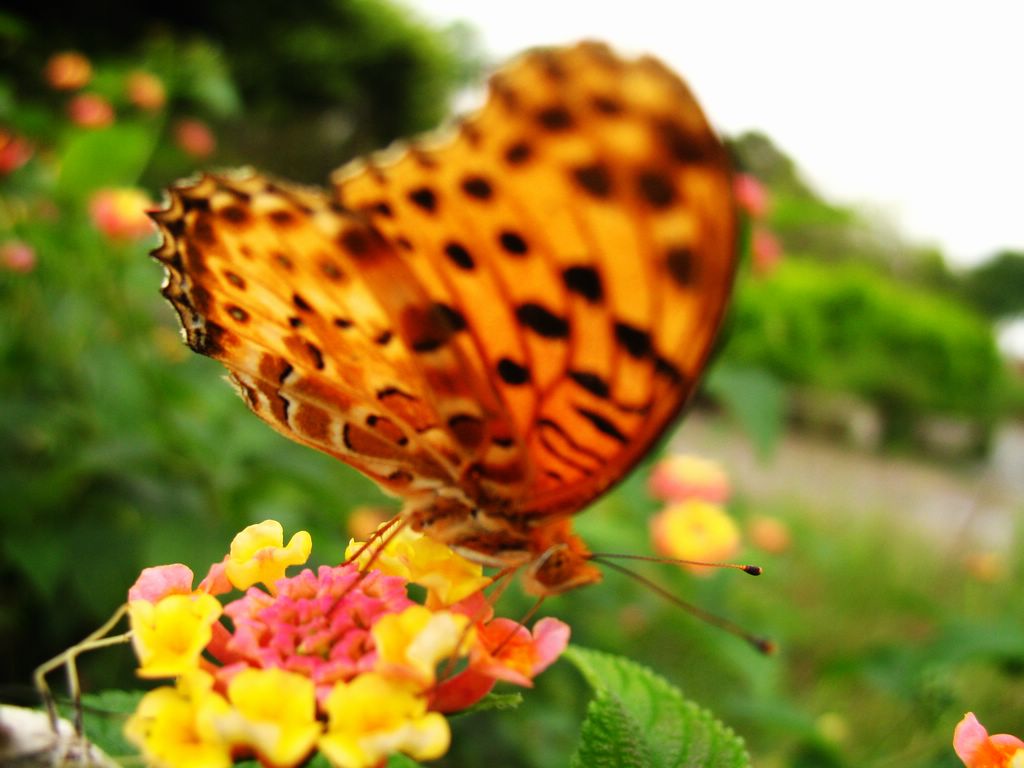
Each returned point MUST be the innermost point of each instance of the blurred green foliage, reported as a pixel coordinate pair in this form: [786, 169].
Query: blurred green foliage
[118, 448]
[848, 328]
[996, 287]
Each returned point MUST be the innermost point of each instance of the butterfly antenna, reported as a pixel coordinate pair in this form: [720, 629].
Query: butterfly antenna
[762, 644]
[753, 570]
[67, 659]
[375, 537]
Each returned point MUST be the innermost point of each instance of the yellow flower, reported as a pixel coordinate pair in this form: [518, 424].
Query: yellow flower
[274, 714]
[170, 634]
[410, 644]
[171, 725]
[258, 555]
[447, 576]
[373, 717]
[695, 530]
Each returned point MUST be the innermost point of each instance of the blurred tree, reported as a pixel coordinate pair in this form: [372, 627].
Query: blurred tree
[318, 82]
[996, 287]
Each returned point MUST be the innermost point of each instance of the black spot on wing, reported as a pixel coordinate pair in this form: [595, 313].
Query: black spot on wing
[584, 281]
[656, 188]
[459, 256]
[512, 372]
[542, 321]
[636, 341]
[594, 179]
[424, 198]
[603, 425]
[477, 187]
[513, 243]
[591, 382]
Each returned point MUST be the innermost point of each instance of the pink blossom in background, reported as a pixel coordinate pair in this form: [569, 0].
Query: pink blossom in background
[15, 151]
[195, 138]
[89, 110]
[766, 250]
[751, 196]
[17, 256]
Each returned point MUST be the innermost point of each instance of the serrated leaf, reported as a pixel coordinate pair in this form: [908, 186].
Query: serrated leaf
[639, 719]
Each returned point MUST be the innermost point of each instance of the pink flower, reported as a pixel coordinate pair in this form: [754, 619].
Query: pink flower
[750, 194]
[68, 71]
[89, 110]
[195, 138]
[504, 650]
[17, 256]
[765, 249]
[15, 151]
[317, 624]
[145, 90]
[121, 213]
[161, 580]
[977, 749]
[683, 476]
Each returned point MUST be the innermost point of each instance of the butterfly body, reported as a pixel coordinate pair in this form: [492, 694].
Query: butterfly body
[494, 326]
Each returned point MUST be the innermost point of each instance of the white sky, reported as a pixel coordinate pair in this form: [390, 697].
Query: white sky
[915, 109]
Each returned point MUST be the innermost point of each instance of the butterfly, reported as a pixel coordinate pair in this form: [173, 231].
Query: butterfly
[495, 322]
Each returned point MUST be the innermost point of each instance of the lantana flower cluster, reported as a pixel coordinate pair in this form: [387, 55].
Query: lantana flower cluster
[340, 660]
[694, 524]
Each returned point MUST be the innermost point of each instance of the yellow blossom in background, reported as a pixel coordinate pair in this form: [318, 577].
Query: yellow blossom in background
[410, 644]
[273, 713]
[447, 575]
[169, 635]
[67, 71]
[987, 567]
[171, 726]
[145, 90]
[258, 555]
[695, 530]
[373, 717]
[364, 519]
[768, 534]
[120, 213]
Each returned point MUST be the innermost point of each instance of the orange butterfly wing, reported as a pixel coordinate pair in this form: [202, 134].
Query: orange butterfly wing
[495, 325]
[582, 225]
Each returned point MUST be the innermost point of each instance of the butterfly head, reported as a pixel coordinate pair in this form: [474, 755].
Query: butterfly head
[563, 563]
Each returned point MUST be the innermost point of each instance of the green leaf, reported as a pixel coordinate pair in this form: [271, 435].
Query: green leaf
[111, 157]
[402, 761]
[754, 398]
[639, 720]
[498, 701]
[104, 716]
